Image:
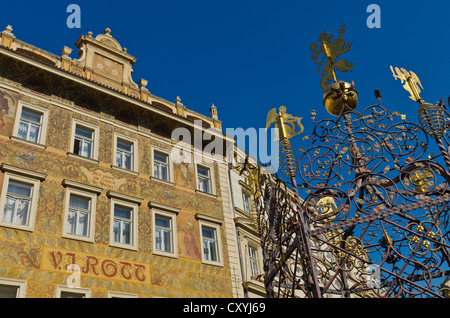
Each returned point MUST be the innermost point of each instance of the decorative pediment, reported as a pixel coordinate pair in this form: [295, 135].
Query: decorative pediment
[105, 61]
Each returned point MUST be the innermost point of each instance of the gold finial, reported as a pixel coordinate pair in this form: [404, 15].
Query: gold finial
[330, 50]
[411, 81]
[285, 121]
[338, 96]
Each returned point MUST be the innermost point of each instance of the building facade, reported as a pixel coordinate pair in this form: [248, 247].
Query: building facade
[96, 198]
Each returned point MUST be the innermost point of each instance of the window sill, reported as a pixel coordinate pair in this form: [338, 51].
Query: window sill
[73, 155]
[165, 254]
[78, 238]
[27, 228]
[123, 246]
[211, 195]
[135, 173]
[162, 181]
[27, 142]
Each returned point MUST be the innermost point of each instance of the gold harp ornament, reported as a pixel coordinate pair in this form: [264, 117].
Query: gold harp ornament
[431, 117]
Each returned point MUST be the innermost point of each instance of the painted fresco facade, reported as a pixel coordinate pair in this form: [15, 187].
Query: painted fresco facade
[97, 92]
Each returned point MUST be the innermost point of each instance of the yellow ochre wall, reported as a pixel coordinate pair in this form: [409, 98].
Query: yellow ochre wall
[40, 257]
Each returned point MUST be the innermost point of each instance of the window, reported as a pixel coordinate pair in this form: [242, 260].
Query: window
[163, 234]
[210, 239]
[164, 223]
[253, 258]
[8, 291]
[246, 200]
[161, 165]
[70, 292]
[84, 141]
[124, 154]
[123, 231]
[123, 221]
[19, 197]
[80, 206]
[204, 179]
[30, 125]
[11, 288]
[18, 203]
[78, 218]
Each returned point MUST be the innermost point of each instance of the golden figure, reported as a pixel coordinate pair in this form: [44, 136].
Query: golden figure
[411, 82]
[285, 121]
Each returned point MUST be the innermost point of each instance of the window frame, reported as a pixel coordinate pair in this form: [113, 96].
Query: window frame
[170, 180]
[128, 202]
[211, 179]
[75, 290]
[255, 258]
[22, 176]
[41, 143]
[86, 191]
[215, 224]
[95, 140]
[135, 157]
[249, 197]
[167, 212]
[20, 284]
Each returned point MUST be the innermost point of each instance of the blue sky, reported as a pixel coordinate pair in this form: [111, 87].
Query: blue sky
[249, 56]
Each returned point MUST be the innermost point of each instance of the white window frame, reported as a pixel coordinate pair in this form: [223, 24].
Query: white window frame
[22, 176]
[128, 202]
[95, 140]
[113, 294]
[171, 213]
[75, 290]
[43, 125]
[246, 193]
[255, 258]
[169, 166]
[20, 284]
[215, 224]
[211, 179]
[135, 159]
[86, 191]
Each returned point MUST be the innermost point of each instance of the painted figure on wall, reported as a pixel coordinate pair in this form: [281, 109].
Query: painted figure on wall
[7, 109]
[184, 170]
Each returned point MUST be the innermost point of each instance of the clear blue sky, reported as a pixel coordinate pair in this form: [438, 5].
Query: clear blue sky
[249, 56]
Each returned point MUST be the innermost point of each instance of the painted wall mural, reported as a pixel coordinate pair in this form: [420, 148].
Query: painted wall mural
[40, 257]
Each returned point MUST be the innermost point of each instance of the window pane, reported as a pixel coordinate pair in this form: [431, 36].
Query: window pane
[158, 156]
[86, 149]
[22, 209]
[203, 171]
[84, 132]
[79, 202]
[208, 233]
[124, 145]
[23, 130]
[162, 221]
[8, 211]
[7, 291]
[126, 233]
[122, 212]
[34, 133]
[19, 188]
[71, 295]
[31, 115]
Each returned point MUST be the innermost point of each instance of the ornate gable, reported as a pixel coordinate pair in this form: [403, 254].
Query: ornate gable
[103, 60]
